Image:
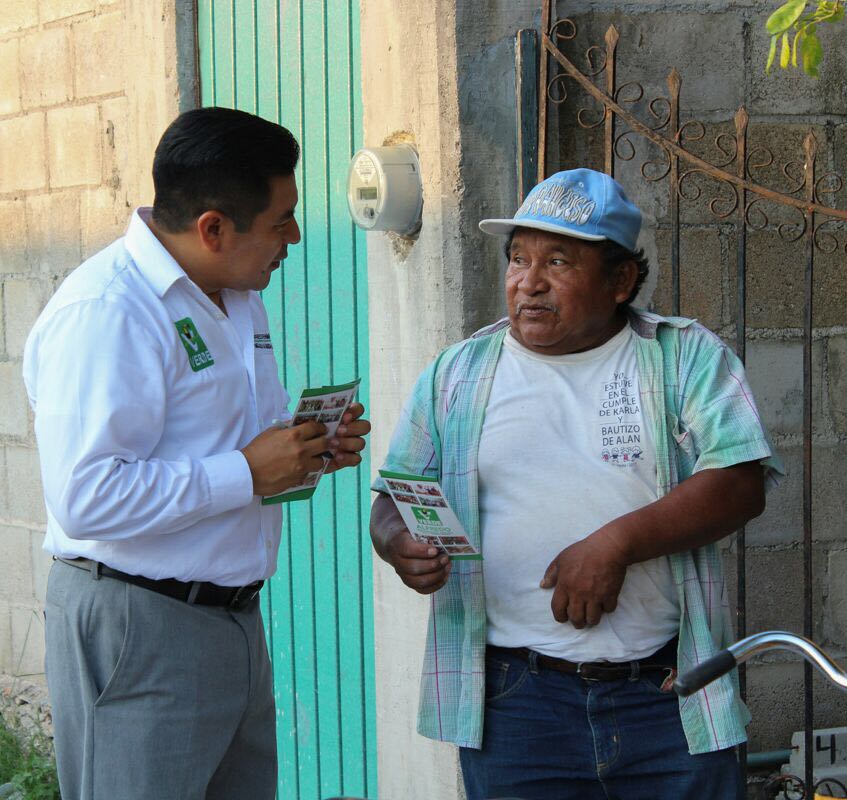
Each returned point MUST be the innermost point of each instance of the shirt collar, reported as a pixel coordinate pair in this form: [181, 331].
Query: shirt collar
[158, 267]
[645, 323]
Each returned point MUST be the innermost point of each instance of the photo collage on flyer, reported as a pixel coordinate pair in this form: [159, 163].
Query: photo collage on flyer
[424, 500]
[327, 409]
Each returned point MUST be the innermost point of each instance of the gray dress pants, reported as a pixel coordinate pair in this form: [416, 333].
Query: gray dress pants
[153, 698]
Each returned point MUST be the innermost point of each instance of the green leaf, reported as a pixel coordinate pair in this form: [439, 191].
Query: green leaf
[771, 54]
[795, 47]
[785, 52]
[785, 16]
[812, 54]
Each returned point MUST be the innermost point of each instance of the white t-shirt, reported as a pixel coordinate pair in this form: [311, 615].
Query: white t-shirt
[564, 450]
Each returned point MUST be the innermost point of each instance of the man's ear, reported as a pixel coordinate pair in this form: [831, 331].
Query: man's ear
[213, 229]
[625, 280]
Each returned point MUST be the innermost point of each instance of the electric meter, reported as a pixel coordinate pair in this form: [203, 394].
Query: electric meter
[384, 190]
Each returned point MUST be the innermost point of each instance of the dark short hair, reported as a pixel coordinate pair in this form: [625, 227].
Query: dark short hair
[613, 255]
[221, 159]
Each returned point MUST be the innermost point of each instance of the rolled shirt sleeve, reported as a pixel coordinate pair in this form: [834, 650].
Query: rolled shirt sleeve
[719, 424]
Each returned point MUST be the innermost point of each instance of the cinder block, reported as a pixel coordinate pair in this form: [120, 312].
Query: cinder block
[830, 292]
[98, 59]
[782, 520]
[16, 569]
[27, 640]
[14, 419]
[775, 372]
[23, 486]
[74, 145]
[4, 504]
[10, 78]
[776, 700]
[23, 164]
[14, 240]
[23, 301]
[53, 222]
[837, 386]
[774, 281]
[835, 603]
[701, 275]
[59, 9]
[5, 637]
[104, 217]
[829, 492]
[42, 562]
[774, 585]
[47, 68]
[17, 15]
[114, 119]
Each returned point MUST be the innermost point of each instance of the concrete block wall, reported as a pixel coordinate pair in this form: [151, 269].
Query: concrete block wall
[720, 51]
[86, 87]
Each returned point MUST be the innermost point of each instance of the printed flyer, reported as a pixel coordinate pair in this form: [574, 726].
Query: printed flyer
[326, 404]
[428, 515]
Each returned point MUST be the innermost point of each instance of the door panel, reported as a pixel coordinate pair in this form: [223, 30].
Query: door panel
[298, 63]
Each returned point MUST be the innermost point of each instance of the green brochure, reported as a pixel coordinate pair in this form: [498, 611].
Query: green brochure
[325, 404]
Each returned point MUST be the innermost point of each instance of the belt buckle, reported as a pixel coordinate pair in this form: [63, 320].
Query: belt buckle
[244, 594]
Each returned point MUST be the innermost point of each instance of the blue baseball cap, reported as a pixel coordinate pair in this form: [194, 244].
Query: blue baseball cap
[578, 202]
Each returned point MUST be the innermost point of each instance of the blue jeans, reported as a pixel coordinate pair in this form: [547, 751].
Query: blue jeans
[554, 736]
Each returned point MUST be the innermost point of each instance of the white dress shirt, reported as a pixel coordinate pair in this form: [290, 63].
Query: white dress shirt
[139, 425]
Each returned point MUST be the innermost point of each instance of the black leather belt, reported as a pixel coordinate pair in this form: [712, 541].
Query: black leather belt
[195, 592]
[663, 660]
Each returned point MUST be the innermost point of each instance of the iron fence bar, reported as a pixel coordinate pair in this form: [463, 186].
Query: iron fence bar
[526, 96]
[612, 37]
[741, 123]
[810, 147]
[674, 85]
[673, 148]
[546, 13]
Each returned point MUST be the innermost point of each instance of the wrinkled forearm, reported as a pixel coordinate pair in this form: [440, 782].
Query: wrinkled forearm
[702, 509]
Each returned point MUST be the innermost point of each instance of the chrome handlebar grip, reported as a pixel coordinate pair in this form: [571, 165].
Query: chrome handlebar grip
[746, 648]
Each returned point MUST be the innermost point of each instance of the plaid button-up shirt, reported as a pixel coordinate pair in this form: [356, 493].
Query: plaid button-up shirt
[695, 397]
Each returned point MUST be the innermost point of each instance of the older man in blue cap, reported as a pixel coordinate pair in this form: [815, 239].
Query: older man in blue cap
[595, 454]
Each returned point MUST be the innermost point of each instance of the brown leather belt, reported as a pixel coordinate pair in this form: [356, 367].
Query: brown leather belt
[663, 660]
[200, 593]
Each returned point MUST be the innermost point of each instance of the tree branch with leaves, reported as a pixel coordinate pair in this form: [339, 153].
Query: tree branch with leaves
[795, 31]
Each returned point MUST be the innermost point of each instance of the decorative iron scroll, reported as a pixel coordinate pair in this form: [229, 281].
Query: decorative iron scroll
[740, 196]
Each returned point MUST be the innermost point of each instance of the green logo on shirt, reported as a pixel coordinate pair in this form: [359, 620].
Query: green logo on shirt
[425, 514]
[199, 356]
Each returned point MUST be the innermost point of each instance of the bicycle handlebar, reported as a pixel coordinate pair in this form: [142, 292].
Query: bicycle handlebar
[703, 674]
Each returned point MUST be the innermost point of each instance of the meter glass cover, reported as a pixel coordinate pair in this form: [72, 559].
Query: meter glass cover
[368, 193]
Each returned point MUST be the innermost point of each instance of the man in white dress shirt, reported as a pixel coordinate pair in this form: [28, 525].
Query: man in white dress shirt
[154, 387]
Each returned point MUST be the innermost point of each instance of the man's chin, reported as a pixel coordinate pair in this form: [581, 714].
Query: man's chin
[263, 281]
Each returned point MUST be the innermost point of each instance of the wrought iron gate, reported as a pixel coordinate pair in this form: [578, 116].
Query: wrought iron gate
[628, 119]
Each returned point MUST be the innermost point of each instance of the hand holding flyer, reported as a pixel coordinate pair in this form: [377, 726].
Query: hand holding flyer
[326, 405]
[427, 514]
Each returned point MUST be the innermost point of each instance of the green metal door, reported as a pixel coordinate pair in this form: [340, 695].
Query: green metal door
[297, 62]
